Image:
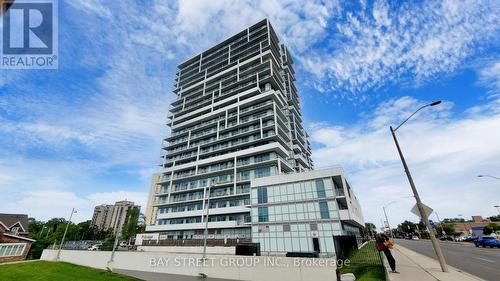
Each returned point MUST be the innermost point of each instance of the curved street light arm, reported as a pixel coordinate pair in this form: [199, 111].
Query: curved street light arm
[422, 107]
[392, 202]
[489, 176]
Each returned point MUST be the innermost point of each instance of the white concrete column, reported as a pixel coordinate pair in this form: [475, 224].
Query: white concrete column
[261, 129]
[170, 185]
[234, 175]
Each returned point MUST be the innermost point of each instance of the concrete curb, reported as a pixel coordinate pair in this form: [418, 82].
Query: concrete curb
[386, 265]
[15, 262]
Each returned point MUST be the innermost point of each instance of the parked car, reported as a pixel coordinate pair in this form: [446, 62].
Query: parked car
[487, 241]
[94, 247]
[446, 238]
[470, 239]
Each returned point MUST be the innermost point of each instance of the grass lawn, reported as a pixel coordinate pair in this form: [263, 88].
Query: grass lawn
[55, 271]
[366, 264]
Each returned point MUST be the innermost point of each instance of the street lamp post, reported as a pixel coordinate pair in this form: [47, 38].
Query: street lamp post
[498, 210]
[420, 207]
[64, 235]
[206, 224]
[117, 236]
[386, 219]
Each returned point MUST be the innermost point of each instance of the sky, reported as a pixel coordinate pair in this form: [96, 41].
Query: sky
[90, 132]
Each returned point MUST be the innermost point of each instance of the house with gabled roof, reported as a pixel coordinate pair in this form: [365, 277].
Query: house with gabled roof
[14, 241]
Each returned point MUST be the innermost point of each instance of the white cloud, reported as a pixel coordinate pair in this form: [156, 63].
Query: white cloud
[385, 45]
[91, 6]
[444, 154]
[46, 204]
[44, 188]
[489, 77]
[118, 117]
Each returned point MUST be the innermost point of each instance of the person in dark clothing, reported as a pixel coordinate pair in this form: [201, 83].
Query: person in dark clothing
[382, 244]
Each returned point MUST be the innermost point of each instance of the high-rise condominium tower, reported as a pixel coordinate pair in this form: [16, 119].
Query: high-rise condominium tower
[236, 117]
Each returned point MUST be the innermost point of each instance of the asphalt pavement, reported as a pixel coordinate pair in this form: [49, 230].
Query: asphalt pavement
[482, 262]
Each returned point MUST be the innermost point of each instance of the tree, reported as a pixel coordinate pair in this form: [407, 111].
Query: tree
[53, 223]
[370, 229]
[495, 218]
[407, 228]
[141, 223]
[108, 243]
[86, 232]
[129, 229]
[34, 226]
[487, 230]
[449, 228]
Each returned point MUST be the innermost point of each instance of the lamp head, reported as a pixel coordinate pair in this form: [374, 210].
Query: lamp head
[435, 103]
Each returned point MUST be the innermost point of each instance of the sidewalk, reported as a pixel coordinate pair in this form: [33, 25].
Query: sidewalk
[414, 266]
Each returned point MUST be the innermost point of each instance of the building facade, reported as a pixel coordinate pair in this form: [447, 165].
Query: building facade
[472, 227]
[302, 212]
[14, 241]
[236, 118]
[150, 214]
[112, 217]
[101, 219]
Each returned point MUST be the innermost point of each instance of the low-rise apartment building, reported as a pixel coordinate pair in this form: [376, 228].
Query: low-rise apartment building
[302, 212]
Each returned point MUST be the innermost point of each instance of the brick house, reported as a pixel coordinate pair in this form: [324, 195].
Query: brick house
[14, 241]
[474, 227]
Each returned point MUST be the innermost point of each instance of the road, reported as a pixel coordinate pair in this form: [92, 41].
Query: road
[482, 262]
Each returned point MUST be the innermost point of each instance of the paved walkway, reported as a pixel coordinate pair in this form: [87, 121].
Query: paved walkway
[414, 266]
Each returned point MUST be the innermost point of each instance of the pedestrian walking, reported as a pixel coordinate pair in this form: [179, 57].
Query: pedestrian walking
[384, 244]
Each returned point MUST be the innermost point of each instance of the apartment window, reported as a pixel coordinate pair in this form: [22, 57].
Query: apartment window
[263, 214]
[262, 172]
[323, 209]
[320, 189]
[262, 195]
[12, 249]
[245, 175]
[286, 228]
[262, 157]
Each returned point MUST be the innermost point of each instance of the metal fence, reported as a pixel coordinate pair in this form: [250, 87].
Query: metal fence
[196, 242]
[359, 257]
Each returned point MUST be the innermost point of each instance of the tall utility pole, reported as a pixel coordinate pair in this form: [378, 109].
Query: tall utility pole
[118, 229]
[387, 220]
[64, 235]
[205, 234]
[423, 216]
